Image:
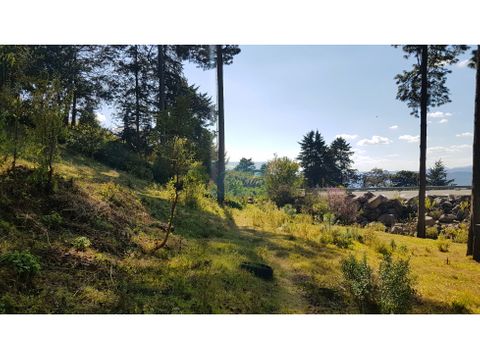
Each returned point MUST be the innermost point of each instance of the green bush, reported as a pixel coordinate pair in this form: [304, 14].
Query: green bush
[6, 228]
[443, 245]
[118, 155]
[282, 180]
[395, 286]
[376, 226]
[289, 210]
[53, 220]
[81, 243]
[457, 235]
[23, 263]
[359, 281]
[314, 204]
[431, 232]
[87, 139]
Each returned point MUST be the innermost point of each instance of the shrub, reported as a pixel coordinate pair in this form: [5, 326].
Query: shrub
[118, 155]
[456, 234]
[359, 281]
[6, 228]
[435, 214]
[81, 243]
[289, 210]
[376, 226]
[443, 245]
[53, 220]
[431, 232]
[314, 204]
[353, 233]
[344, 209]
[195, 185]
[395, 286]
[23, 263]
[87, 139]
[282, 180]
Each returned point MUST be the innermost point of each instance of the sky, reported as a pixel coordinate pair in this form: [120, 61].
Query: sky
[276, 94]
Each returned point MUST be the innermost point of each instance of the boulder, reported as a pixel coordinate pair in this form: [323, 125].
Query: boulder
[447, 218]
[429, 221]
[387, 219]
[376, 201]
[446, 206]
[365, 197]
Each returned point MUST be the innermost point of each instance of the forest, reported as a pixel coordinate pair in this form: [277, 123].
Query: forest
[146, 216]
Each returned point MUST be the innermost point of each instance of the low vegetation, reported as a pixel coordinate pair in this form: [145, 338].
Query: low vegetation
[87, 248]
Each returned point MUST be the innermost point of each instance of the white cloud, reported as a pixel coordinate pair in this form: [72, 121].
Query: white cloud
[393, 127]
[438, 114]
[449, 149]
[410, 138]
[465, 134]
[443, 121]
[347, 136]
[375, 140]
[100, 118]
[463, 63]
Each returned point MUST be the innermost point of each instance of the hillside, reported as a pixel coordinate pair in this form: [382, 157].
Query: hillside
[199, 271]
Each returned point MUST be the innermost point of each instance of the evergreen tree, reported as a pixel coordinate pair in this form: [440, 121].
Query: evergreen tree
[423, 87]
[341, 154]
[437, 176]
[316, 160]
[245, 165]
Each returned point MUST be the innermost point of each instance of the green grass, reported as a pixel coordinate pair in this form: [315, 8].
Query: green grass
[199, 271]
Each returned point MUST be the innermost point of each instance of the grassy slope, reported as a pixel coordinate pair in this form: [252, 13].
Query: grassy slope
[199, 272]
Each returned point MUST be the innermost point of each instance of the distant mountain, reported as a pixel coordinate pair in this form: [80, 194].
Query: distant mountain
[462, 175]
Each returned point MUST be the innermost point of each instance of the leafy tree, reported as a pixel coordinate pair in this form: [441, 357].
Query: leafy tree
[437, 176]
[423, 87]
[341, 154]
[375, 178]
[404, 178]
[245, 165]
[316, 160]
[181, 160]
[48, 121]
[282, 180]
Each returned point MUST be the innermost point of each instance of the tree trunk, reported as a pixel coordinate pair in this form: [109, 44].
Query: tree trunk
[170, 222]
[74, 89]
[74, 108]
[161, 76]
[137, 99]
[221, 130]
[423, 144]
[473, 246]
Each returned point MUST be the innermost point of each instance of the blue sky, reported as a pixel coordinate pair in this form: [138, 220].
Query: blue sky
[275, 94]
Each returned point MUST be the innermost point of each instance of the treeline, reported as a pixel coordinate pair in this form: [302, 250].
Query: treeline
[51, 94]
[436, 176]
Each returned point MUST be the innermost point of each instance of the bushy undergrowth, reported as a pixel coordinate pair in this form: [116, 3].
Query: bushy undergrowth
[344, 209]
[23, 263]
[455, 234]
[390, 292]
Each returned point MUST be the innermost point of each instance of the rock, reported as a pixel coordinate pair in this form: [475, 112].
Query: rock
[250, 200]
[387, 219]
[371, 214]
[447, 218]
[258, 269]
[364, 198]
[446, 206]
[376, 201]
[429, 221]
[393, 206]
